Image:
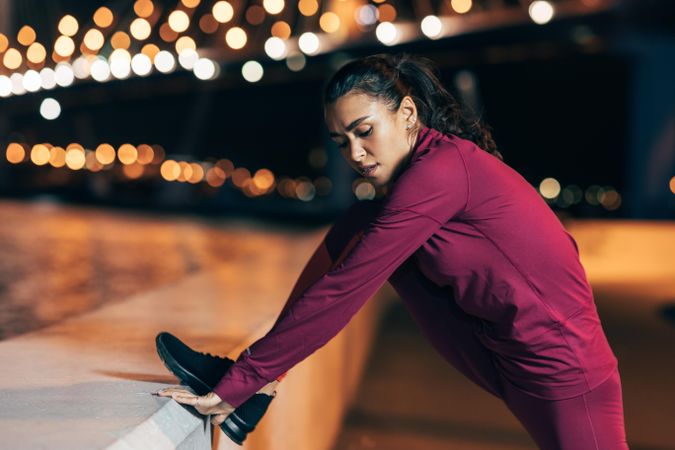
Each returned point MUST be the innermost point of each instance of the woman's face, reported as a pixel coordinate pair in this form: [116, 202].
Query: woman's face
[370, 136]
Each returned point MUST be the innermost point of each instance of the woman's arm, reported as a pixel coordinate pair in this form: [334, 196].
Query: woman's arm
[433, 190]
[334, 247]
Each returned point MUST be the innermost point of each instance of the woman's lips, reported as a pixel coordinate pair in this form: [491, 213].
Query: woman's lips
[368, 170]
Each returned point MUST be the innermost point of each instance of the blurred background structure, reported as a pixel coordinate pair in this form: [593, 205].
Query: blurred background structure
[215, 107]
[134, 133]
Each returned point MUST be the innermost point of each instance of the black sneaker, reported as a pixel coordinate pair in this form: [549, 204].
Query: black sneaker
[201, 372]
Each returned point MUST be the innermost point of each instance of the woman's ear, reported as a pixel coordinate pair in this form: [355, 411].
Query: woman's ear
[408, 110]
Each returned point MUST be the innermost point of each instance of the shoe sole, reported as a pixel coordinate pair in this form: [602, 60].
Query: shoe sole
[185, 376]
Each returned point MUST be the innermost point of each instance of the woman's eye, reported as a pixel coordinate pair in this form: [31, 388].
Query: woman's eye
[365, 133]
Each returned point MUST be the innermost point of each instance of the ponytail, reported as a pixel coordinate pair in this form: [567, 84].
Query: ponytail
[392, 77]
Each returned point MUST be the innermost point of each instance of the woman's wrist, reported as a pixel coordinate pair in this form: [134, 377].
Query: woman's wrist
[212, 395]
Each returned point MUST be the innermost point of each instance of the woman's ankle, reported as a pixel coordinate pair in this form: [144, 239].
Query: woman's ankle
[269, 388]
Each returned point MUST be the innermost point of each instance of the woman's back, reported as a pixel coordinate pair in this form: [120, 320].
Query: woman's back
[507, 260]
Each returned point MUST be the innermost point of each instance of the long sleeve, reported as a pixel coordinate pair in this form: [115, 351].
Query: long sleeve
[429, 192]
[335, 246]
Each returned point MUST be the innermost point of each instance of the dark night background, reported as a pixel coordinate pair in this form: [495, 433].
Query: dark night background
[560, 98]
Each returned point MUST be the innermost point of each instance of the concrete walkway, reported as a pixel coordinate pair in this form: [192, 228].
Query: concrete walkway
[85, 381]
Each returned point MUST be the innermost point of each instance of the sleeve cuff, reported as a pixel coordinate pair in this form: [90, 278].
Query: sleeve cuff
[239, 383]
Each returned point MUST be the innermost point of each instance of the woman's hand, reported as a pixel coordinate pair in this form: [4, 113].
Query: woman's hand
[209, 404]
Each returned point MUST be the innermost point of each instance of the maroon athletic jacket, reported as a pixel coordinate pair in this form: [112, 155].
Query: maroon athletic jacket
[476, 227]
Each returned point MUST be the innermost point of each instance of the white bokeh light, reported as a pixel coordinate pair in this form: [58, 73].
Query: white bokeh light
[387, 33]
[275, 48]
[165, 62]
[82, 67]
[431, 27]
[541, 12]
[222, 11]
[48, 77]
[187, 58]
[308, 43]
[273, 6]
[32, 81]
[549, 188]
[252, 71]
[120, 63]
[179, 21]
[64, 74]
[17, 83]
[140, 29]
[100, 70]
[204, 69]
[141, 64]
[50, 109]
[5, 86]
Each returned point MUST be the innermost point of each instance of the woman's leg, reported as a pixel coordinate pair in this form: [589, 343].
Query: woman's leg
[449, 329]
[592, 421]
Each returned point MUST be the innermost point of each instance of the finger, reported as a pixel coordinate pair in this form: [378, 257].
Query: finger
[176, 395]
[217, 419]
[171, 391]
[186, 399]
[167, 392]
[175, 386]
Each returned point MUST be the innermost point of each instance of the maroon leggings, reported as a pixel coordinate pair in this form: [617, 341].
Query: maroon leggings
[592, 421]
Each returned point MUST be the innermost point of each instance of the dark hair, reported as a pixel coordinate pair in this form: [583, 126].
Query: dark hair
[392, 77]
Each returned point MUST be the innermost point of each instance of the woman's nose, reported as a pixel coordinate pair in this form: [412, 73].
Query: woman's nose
[356, 152]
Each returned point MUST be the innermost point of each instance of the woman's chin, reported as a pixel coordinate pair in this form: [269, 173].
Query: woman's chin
[377, 182]
[377, 179]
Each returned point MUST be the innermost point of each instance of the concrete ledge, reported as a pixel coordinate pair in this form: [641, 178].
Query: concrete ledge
[84, 383]
[167, 428]
[66, 411]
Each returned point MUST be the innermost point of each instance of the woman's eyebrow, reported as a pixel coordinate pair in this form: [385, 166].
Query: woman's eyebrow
[351, 126]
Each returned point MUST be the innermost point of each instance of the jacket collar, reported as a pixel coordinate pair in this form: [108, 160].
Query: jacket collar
[424, 138]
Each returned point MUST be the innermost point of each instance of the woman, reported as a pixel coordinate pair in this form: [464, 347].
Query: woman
[482, 263]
